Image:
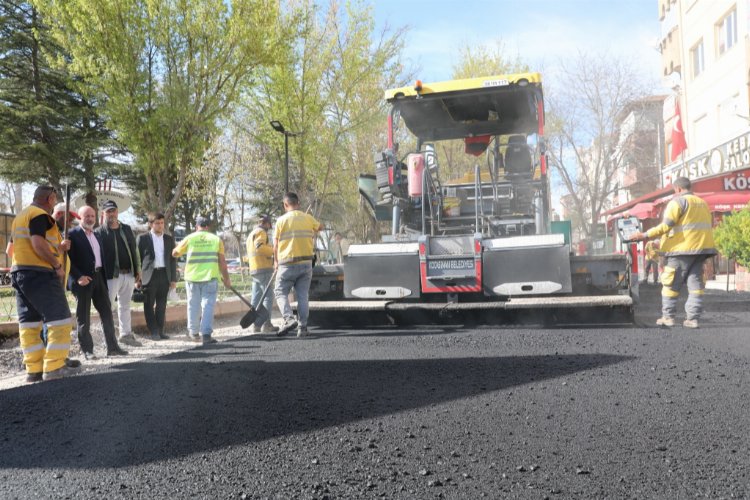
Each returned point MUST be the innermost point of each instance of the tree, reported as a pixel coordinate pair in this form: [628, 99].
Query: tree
[582, 128]
[168, 72]
[48, 131]
[733, 236]
[328, 86]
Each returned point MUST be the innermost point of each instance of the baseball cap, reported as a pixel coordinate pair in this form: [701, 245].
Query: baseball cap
[109, 205]
[60, 207]
[201, 221]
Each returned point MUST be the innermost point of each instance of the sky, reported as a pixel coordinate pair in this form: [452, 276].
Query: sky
[539, 32]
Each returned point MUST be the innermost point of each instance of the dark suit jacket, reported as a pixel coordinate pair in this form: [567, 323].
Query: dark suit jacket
[146, 251]
[81, 257]
[108, 238]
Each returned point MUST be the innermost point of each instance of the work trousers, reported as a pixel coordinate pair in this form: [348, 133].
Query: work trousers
[260, 282]
[298, 276]
[155, 301]
[201, 297]
[652, 265]
[95, 292]
[122, 288]
[678, 271]
[40, 299]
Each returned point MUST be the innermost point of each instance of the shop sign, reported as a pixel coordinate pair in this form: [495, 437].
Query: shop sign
[737, 183]
[730, 156]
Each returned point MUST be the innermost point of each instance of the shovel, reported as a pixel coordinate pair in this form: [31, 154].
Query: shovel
[254, 314]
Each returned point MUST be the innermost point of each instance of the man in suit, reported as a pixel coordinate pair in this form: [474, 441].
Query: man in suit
[158, 273]
[122, 267]
[88, 284]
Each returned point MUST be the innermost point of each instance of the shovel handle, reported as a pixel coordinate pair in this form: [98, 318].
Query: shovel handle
[242, 298]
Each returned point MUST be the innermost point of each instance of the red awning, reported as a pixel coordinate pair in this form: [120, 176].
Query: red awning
[644, 211]
[726, 201]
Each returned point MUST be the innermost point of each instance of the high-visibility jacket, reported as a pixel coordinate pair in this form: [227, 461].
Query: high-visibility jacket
[203, 249]
[651, 251]
[686, 227]
[295, 231]
[24, 256]
[259, 250]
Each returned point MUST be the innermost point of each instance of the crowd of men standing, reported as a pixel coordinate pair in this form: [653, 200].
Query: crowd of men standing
[103, 265]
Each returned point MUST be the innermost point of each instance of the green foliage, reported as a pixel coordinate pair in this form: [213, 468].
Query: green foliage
[169, 72]
[328, 86]
[49, 132]
[733, 236]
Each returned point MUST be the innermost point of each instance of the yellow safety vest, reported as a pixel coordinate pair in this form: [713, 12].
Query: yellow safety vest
[24, 256]
[686, 227]
[651, 253]
[294, 235]
[203, 249]
[259, 251]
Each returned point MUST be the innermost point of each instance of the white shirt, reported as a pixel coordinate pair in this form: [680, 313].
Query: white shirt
[95, 247]
[158, 241]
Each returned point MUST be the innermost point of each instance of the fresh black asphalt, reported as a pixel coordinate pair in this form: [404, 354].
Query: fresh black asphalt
[627, 412]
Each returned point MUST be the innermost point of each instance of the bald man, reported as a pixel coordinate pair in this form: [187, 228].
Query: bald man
[89, 286]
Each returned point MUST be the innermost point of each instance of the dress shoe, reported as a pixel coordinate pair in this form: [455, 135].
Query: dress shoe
[130, 340]
[72, 363]
[117, 352]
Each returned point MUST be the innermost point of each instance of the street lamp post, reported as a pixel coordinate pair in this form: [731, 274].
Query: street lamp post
[278, 127]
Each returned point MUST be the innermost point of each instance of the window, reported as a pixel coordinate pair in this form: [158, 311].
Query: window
[727, 32]
[696, 56]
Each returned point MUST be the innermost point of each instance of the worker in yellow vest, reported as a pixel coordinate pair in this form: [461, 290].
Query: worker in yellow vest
[651, 254]
[37, 276]
[260, 258]
[205, 264]
[294, 248]
[688, 240]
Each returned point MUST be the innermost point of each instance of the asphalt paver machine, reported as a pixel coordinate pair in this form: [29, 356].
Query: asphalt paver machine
[477, 246]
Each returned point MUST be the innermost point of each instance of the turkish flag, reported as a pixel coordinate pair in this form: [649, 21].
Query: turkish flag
[678, 134]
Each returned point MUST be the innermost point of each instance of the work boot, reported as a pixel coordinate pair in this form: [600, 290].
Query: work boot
[130, 340]
[155, 337]
[65, 371]
[89, 356]
[690, 323]
[664, 321]
[302, 332]
[163, 336]
[268, 327]
[34, 377]
[289, 324]
[116, 352]
[207, 339]
[193, 337]
[254, 329]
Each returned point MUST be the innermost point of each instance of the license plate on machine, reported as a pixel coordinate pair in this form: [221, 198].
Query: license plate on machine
[450, 264]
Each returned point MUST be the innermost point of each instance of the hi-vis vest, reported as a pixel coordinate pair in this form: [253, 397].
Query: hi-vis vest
[203, 250]
[259, 251]
[24, 256]
[686, 228]
[295, 231]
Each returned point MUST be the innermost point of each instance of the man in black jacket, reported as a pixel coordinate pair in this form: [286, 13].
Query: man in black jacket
[122, 265]
[88, 284]
[158, 273]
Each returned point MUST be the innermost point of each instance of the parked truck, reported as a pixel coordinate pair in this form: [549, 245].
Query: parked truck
[478, 246]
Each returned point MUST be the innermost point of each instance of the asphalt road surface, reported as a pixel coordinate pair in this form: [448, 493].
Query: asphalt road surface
[637, 412]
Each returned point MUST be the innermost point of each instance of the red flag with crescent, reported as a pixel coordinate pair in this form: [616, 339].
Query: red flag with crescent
[678, 134]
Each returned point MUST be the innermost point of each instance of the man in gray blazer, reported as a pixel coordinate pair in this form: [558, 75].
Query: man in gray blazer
[158, 273]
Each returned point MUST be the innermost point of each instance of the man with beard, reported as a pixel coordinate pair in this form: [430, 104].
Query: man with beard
[89, 286]
[122, 267]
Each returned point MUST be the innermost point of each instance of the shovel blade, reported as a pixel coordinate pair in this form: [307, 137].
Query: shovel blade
[249, 318]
